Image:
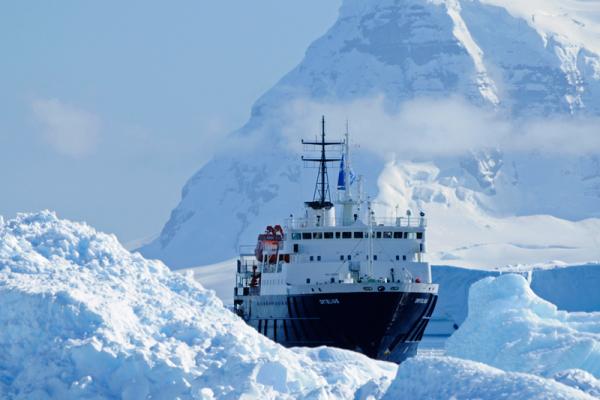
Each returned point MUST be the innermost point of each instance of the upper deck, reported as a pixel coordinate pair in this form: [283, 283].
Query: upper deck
[377, 223]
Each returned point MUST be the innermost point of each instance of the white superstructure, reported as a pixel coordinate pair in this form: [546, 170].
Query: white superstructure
[341, 243]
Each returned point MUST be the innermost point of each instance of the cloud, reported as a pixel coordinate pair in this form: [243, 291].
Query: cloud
[69, 130]
[450, 127]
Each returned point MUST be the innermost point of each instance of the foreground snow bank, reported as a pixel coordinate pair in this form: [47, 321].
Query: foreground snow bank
[84, 318]
[453, 378]
[510, 327]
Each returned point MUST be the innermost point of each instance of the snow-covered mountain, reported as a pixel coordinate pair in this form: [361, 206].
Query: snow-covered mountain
[488, 109]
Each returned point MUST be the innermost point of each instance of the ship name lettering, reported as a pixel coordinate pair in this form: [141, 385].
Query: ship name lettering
[329, 301]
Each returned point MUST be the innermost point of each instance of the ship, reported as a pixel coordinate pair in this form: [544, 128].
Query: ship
[339, 275]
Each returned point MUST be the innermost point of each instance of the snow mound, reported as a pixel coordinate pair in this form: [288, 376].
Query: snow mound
[511, 328]
[579, 379]
[453, 378]
[84, 318]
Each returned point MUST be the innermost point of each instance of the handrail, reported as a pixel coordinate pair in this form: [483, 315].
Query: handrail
[246, 250]
[377, 222]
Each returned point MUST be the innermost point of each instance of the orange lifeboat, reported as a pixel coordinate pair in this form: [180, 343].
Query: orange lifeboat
[269, 242]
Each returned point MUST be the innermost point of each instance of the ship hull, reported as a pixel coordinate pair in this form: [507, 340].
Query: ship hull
[385, 325]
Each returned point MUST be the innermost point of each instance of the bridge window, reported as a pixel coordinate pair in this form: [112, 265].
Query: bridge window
[419, 235]
[358, 235]
[397, 258]
[318, 235]
[374, 257]
[306, 235]
[387, 235]
[349, 257]
[342, 257]
[318, 258]
[296, 236]
[378, 235]
[328, 235]
[337, 235]
[397, 235]
[403, 258]
[311, 258]
[346, 235]
[405, 235]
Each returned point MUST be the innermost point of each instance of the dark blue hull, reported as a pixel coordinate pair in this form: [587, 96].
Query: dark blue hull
[382, 325]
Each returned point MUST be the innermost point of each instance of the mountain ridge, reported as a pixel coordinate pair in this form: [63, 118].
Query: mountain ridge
[493, 58]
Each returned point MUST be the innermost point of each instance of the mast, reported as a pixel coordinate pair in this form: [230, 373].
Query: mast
[321, 197]
[323, 161]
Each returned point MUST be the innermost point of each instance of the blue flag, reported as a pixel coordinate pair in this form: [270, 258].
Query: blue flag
[341, 181]
[342, 178]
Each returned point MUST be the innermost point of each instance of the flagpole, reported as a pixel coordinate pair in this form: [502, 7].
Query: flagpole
[347, 196]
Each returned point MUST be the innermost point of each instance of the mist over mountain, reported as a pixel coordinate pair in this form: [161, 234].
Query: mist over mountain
[482, 113]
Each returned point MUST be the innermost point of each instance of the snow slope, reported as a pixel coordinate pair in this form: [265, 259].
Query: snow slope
[494, 103]
[82, 318]
[454, 378]
[462, 231]
[219, 277]
[511, 328]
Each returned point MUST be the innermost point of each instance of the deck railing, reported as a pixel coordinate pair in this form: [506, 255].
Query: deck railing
[410, 222]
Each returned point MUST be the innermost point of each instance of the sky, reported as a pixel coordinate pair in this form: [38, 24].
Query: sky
[107, 108]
